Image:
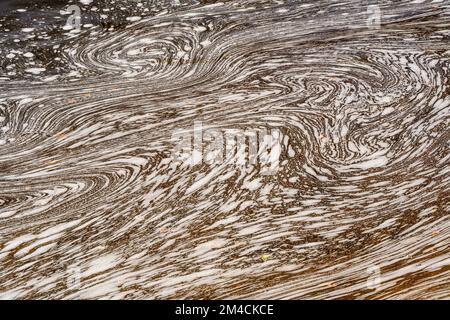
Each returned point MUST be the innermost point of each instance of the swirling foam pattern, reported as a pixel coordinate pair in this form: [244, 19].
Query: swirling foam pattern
[92, 205]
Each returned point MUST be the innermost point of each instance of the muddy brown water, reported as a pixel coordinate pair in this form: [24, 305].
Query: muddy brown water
[235, 149]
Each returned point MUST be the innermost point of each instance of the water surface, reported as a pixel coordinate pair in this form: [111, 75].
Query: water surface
[94, 205]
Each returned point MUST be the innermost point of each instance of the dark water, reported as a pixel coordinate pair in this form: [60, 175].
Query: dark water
[352, 203]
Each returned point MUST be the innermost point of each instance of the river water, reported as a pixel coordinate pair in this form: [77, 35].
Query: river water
[98, 200]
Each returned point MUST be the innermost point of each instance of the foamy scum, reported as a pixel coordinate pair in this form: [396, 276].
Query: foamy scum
[93, 205]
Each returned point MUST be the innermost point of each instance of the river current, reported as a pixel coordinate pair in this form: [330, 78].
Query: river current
[349, 198]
